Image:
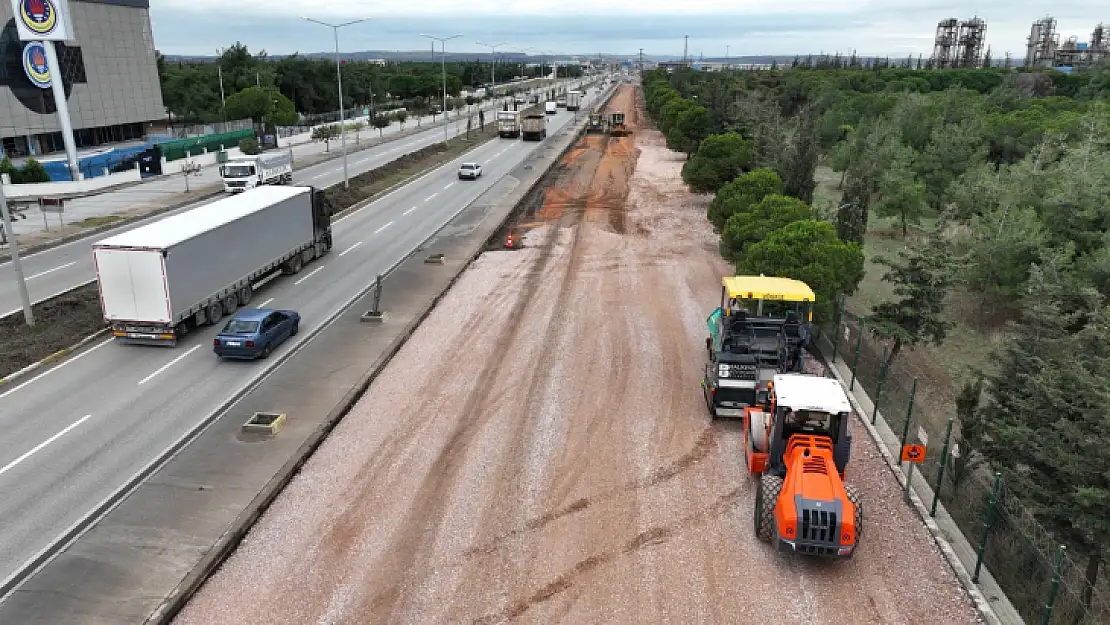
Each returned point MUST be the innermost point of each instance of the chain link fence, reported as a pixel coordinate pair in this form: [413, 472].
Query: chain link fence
[1045, 582]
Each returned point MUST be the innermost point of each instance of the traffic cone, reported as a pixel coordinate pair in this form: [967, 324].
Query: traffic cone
[509, 241]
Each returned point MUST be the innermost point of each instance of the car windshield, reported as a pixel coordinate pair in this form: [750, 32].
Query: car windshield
[241, 326]
[469, 166]
[238, 171]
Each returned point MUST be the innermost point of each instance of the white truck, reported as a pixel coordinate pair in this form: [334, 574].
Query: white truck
[250, 171]
[159, 281]
[508, 124]
[549, 108]
[574, 100]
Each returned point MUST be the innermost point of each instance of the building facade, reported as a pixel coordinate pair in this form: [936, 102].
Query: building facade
[110, 75]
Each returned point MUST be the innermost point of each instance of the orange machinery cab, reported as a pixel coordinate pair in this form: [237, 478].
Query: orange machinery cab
[799, 444]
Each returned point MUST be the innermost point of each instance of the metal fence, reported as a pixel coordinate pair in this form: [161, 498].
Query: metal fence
[1043, 581]
[199, 130]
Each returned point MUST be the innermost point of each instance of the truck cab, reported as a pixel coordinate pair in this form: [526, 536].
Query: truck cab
[550, 108]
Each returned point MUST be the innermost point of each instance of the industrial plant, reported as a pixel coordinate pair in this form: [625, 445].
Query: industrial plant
[959, 44]
[1044, 48]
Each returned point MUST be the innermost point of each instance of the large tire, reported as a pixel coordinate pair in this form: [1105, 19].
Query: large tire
[231, 304]
[766, 496]
[245, 295]
[757, 432]
[266, 351]
[857, 501]
[215, 312]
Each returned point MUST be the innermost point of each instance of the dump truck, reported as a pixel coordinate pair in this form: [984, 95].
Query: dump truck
[798, 444]
[574, 100]
[748, 348]
[616, 125]
[596, 123]
[254, 170]
[159, 281]
[508, 124]
[534, 127]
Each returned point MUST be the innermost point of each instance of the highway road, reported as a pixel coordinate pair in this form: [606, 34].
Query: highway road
[77, 432]
[57, 270]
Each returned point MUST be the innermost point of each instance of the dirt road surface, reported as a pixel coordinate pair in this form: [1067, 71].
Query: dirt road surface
[540, 451]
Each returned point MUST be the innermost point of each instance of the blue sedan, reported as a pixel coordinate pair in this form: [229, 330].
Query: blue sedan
[255, 333]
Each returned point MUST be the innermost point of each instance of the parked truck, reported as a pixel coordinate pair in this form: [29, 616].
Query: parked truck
[574, 100]
[159, 281]
[254, 170]
[534, 127]
[508, 124]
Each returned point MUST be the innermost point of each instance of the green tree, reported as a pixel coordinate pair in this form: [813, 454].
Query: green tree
[262, 105]
[900, 194]
[801, 162]
[1000, 246]
[719, 160]
[690, 127]
[33, 171]
[401, 116]
[249, 146]
[854, 209]
[922, 276]
[741, 194]
[326, 134]
[770, 214]
[381, 122]
[808, 251]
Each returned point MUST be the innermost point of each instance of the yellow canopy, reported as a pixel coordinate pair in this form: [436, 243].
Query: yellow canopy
[762, 287]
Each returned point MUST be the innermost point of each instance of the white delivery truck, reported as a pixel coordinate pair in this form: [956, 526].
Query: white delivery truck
[508, 124]
[250, 171]
[549, 108]
[163, 279]
[574, 100]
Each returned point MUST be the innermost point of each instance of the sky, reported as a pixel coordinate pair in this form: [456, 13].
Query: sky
[746, 27]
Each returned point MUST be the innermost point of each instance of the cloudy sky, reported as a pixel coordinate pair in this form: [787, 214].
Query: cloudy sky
[871, 27]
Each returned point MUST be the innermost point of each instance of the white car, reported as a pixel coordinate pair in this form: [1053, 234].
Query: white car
[473, 171]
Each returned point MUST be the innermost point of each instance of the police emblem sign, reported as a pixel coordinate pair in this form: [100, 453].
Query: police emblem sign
[42, 20]
[35, 65]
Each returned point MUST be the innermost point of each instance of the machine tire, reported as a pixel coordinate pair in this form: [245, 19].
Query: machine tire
[230, 304]
[766, 496]
[758, 436]
[215, 312]
[857, 501]
[245, 295]
[296, 329]
[708, 404]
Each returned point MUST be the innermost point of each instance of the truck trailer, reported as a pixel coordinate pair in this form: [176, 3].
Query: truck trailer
[159, 281]
[254, 170]
[574, 100]
[534, 127]
[508, 124]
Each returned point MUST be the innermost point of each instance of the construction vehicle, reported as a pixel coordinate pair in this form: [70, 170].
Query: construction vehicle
[508, 124]
[746, 351]
[798, 444]
[616, 125]
[595, 124]
[534, 127]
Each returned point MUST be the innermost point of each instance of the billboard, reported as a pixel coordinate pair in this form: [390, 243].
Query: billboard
[42, 20]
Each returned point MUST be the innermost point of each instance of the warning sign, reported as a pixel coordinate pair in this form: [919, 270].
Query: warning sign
[913, 453]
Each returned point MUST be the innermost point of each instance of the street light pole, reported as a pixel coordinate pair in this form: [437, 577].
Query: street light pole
[339, 78]
[443, 62]
[492, 62]
[13, 248]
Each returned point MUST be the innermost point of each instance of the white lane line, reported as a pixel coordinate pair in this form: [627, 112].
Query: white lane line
[318, 270]
[168, 365]
[449, 185]
[11, 465]
[320, 176]
[344, 252]
[408, 211]
[43, 273]
[49, 371]
[379, 230]
[263, 304]
[429, 198]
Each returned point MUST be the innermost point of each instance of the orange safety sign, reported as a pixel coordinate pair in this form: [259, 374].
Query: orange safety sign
[913, 453]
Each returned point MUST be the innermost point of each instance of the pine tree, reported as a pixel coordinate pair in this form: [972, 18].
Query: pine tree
[801, 164]
[851, 217]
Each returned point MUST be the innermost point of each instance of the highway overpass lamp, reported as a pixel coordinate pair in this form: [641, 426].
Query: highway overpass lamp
[443, 57]
[339, 77]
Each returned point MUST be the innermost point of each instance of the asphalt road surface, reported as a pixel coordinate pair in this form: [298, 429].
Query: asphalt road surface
[75, 433]
[57, 270]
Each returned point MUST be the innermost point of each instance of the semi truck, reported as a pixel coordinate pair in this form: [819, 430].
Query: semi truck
[254, 170]
[508, 124]
[159, 281]
[549, 108]
[534, 127]
[574, 100]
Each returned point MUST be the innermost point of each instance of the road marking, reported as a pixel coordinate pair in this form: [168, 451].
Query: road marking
[378, 231]
[408, 211]
[449, 185]
[263, 304]
[43, 273]
[49, 371]
[318, 270]
[320, 176]
[429, 198]
[168, 365]
[11, 465]
[341, 254]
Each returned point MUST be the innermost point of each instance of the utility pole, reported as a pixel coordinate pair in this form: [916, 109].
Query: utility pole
[13, 246]
[726, 57]
[641, 63]
[685, 49]
[443, 61]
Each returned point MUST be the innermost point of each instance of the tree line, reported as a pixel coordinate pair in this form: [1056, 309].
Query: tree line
[282, 91]
[998, 181]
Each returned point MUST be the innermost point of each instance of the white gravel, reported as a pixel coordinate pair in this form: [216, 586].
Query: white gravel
[540, 451]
